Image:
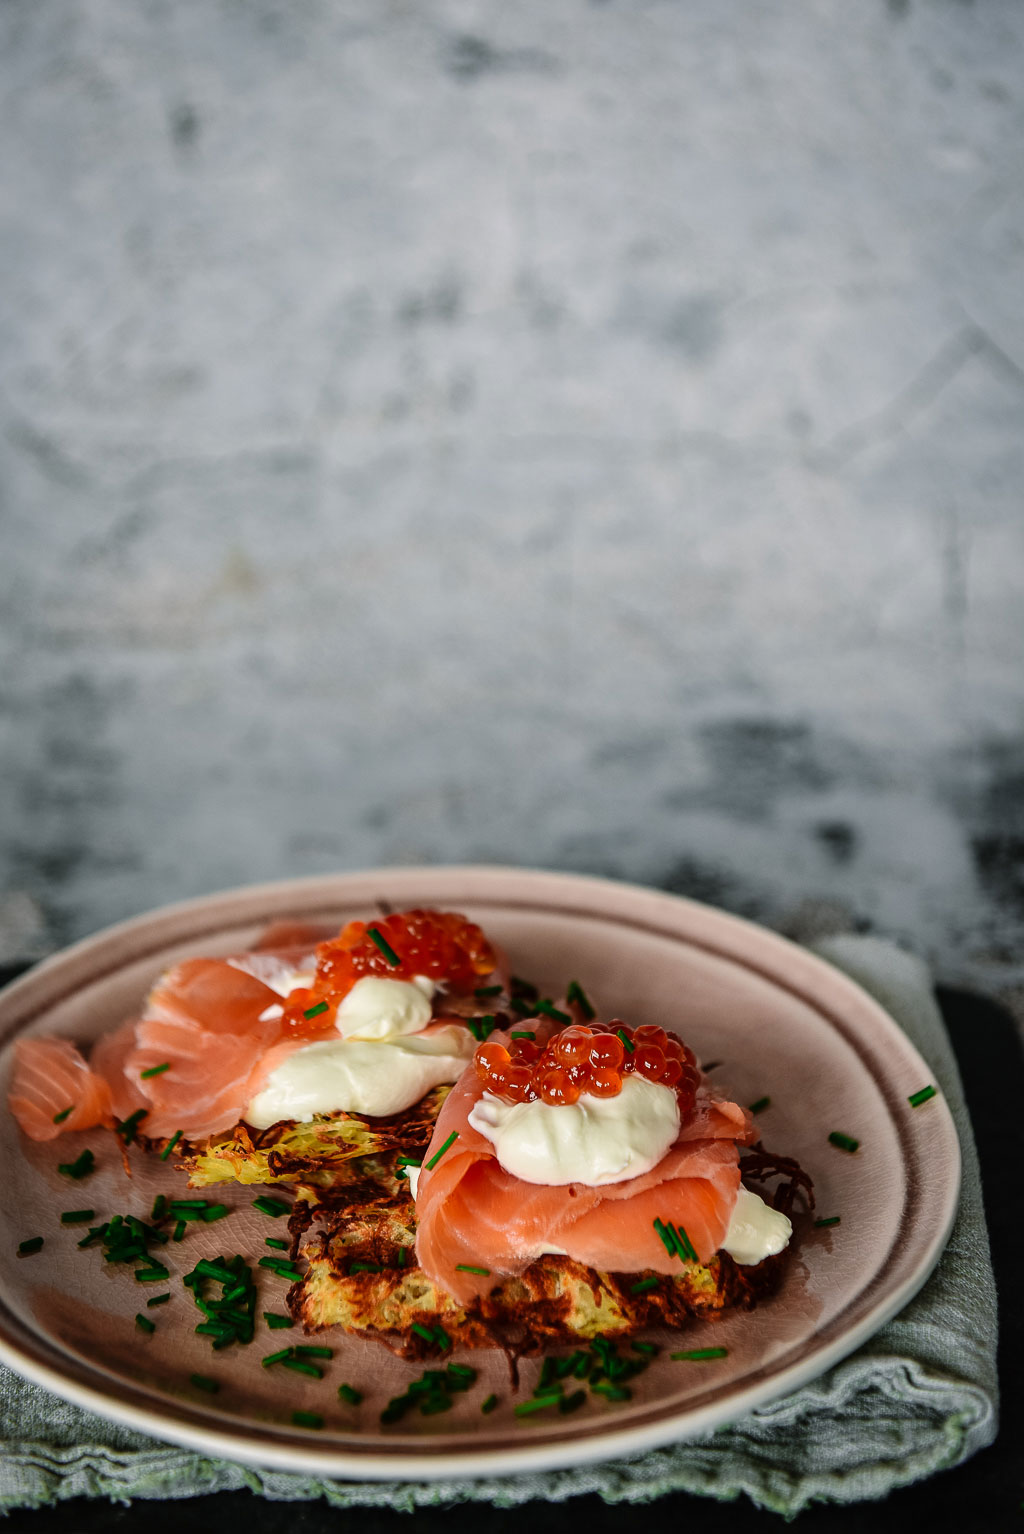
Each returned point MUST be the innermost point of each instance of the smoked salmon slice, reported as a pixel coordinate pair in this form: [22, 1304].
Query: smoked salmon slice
[49, 1076]
[471, 1212]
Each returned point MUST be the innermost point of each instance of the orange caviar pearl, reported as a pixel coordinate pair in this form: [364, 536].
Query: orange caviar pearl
[572, 1045]
[649, 1061]
[606, 1052]
[605, 1083]
[556, 1086]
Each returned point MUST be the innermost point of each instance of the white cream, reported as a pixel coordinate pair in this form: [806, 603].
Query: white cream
[756, 1230]
[371, 1076]
[378, 1008]
[595, 1140]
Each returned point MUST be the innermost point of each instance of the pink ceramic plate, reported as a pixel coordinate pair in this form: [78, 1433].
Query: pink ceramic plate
[783, 1023]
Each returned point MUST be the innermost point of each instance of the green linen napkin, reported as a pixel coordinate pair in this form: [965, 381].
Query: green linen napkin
[920, 1396]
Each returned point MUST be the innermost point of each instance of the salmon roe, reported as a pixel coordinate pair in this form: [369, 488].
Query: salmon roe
[590, 1058]
[439, 945]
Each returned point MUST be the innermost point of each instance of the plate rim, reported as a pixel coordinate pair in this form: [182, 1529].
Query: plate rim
[256, 1445]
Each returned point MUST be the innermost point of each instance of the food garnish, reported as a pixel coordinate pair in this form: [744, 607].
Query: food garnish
[761, 1104]
[80, 1167]
[33, 1244]
[917, 1098]
[833, 1219]
[843, 1142]
[698, 1355]
[155, 1070]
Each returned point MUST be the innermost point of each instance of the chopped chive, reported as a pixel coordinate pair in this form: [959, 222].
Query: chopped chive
[697, 1355]
[275, 1207]
[144, 1324]
[403, 1252]
[650, 1348]
[33, 1244]
[77, 1216]
[58, 1118]
[576, 993]
[158, 1299]
[435, 1158]
[409, 1161]
[155, 1070]
[613, 1392]
[159, 1208]
[307, 1419]
[277, 1322]
[380, 942]
[203, 1382]
[665, 1238]
[685, 1246]
[80, 1167]
[488, 990]
[833, 1219]
[126, 1128]
[842, 1142]
[524, 1034]
[365, 1267]
[152, 1275]
[187, 1214]
[760, 1105]
[464, 1267]
[627, 1042]
[538, 1403]
[347, 1394]
[489, 1405]
[172, 1142]
[915, 1100]
[576, 1400]
[216, 1270]
[179, 1230]
[300, 1366]
[645, 1284]
[548, 1009]
[282, 1246]
[281, 1268]
[215, 1212]
[423, 1331]
[444, 1342]
[312, 1012]
[275, 1358]
[307, 1350]
[482, 1027]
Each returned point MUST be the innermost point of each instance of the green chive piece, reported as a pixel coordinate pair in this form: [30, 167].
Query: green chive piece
[159, 1208]
[650, 1348]
[282, 1246]
[180, 1205]
[627, 1042]
[421, 1331]
[409, 1161]
[524, 1034]
[613, 1392]
[915, 1100]
[33, 1244]
[489, 1405]
[444, 1342]
[158, 1299]
[312, 1012]
[761, 1104]
[683, 1242]
[464, 1267]
[435, 1158]
[487, 990]
[127, 1127]
[307, 1419]
[216, 1270]
[365, 1267]
[58, 1118]
[697, 1355]
[539, 1403]
[403, 1252]
[380, 942]
[80, 1167]
[307, 1350]
[281, 1268]
[203, 1382]
[645, 1284]
[179, 1230]
[152, 1275]
[275, 1358]
[155, 1070]
[172, 1142]
[482, 1027]
[277, 1322]
[77, 1216]
[215, 1212]
[843, 1142]
[833, 1219]
[352, 1397]
[144, 1324]
[665, 1238]
[576, 1400]
[548, 1009]
[575, 993]
[275, 1207]
[300, 1366]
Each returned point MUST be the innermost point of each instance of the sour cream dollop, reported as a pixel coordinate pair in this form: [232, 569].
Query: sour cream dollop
[375, 1076]
[756, 1230]
[595, 1140]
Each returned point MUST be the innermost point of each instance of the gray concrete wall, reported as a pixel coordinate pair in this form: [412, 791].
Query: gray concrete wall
[586, 435]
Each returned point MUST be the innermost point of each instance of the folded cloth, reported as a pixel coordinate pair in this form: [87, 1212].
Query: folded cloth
[920, 1396]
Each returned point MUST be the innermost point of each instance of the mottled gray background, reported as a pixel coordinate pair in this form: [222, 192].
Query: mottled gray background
[584, 435]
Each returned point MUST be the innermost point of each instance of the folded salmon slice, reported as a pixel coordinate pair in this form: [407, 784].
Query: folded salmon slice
[470, 1211]
[49, 1076]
